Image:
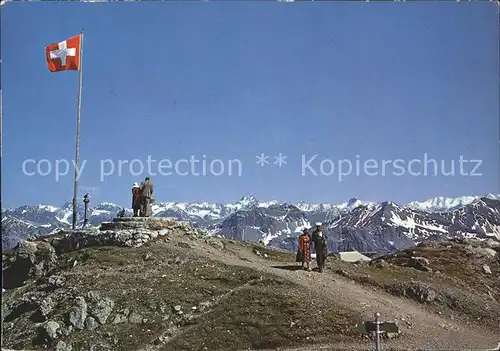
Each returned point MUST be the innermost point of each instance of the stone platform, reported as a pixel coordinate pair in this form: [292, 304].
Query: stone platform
[144, 219]
[151, 223]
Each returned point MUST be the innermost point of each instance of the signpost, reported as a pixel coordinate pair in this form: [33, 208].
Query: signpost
[378, 328]
[86, 202]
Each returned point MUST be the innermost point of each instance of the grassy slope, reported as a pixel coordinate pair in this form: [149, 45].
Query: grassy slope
[462, 288]
[248, 309]
[251, 310]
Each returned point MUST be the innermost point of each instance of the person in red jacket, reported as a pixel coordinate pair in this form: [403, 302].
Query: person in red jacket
[304, 251]
[136, 199]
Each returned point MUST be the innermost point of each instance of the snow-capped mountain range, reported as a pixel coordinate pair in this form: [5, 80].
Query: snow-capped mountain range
[354, 224]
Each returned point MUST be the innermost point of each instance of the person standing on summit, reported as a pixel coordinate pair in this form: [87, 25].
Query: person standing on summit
[320, 245]
[147, 190]
[136, 199]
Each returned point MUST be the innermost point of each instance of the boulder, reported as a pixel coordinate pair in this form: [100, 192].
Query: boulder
[56, 281]
[135, 318]
[418, 291]
[122, 316]
[486, 269]
[492, 243]
[184, 245]
[420, 263]
[219, 245]
[31, 260]
[46, 307]
[78, 313]
[100, 307]
[163, 232]
[91, 323]
[62, 346]
[51, 329]
[491, 253]
[486, 252]
[119, 318]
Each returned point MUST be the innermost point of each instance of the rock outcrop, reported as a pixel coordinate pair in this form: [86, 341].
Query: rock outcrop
[58, 309]
[36, 258]
[414, 290]
[30, 260]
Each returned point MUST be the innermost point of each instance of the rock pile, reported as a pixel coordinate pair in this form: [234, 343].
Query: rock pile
[489, 248]
[414, 290]
[482, 253]
[420, 263]
[89, 312]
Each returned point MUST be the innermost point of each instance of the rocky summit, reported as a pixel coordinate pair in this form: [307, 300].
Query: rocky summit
[144, 284]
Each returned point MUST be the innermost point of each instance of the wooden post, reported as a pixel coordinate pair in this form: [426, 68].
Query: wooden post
[377, 331]
[378, 327]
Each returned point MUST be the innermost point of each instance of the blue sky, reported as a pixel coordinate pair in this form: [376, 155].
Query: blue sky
[232, 80]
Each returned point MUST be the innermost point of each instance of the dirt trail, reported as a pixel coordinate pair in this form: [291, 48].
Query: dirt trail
[427, 330]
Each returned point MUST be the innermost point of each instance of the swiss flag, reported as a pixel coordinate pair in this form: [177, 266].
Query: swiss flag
[64, 56]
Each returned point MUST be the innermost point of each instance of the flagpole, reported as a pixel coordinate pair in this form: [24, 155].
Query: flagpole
[2, 2]
[1, 139]
[77, 153]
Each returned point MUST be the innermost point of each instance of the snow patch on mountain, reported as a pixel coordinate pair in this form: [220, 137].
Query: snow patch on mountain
[64, 217]
[289, 230]
[343, 207]
[411, 224]
[441, 204]
[47, 208]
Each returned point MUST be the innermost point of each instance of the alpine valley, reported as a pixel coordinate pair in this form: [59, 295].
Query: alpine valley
[354, 225]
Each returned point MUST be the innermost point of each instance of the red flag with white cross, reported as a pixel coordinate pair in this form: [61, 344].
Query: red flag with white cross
[67, 56]
[64, 56]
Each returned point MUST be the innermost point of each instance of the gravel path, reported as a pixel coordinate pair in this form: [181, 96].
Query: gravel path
[420, 328]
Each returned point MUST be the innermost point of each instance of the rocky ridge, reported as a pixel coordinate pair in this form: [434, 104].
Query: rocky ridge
[37, 258]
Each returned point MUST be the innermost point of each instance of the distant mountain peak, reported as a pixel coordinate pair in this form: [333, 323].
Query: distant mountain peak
[249, 197]
[248, 201]
[492, 196]
[352, 201]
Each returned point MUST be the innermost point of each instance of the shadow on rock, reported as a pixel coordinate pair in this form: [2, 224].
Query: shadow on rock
[31, 260]
[23, 308]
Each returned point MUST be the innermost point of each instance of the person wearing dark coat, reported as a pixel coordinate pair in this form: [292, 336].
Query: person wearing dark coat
[147, 190]
[319, 239]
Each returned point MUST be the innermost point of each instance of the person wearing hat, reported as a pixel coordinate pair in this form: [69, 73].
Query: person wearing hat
[320, 246]
[136, 199]
[304, 251]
